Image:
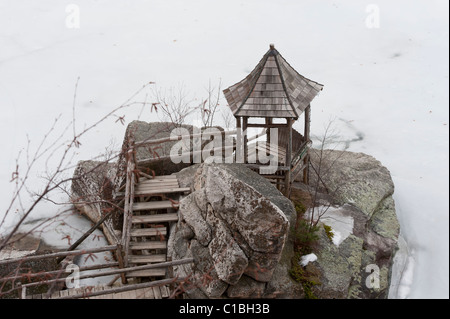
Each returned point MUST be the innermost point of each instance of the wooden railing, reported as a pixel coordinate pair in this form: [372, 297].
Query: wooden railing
[58, 276]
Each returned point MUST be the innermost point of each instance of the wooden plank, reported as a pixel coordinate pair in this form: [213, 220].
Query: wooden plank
[288, 159]
[158, 272]
[148, 232]
[166, 190]
[122, 264]
[128, 206]
[159, 190]
[59, 254]
[148, 245]
[244, 128]
[164, 291]
[157, 292]
[116, 295]
[132, 287]
[158, 185]
[148, 294]
[133, 294]
[157, 218]
[158, 181]
[147, 259]
[150, 192]
[139, 293]
[154, 205]
[160, 177]
[129, 294]
[54, 295]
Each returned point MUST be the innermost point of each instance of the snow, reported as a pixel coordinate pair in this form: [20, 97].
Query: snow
[341, 224]
[306, 259]
[386, 87]
[11, 253]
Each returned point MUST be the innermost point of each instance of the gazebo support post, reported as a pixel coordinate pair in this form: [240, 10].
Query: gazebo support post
[288, 159]
[244, 128]
[307, 138]
[239, 141]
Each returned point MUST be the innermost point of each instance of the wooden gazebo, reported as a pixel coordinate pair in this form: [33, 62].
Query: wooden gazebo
[274, 90]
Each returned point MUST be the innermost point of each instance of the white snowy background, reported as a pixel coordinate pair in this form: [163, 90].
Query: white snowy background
[386, 86]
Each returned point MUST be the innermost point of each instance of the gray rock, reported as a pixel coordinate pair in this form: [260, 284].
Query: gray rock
[364, 188]
[236, 225]
[354, 178]
[247, 288]
[240, 225]
[92, 187]
[154, 158]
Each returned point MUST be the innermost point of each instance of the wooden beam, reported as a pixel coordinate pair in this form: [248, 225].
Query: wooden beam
[118, 271]
[59, 254]
[57, 272]
[239, 141]
[245, 140]
[119, 256]
[274, 125]
[126, 288]
[307, 122]
[288, 159]
[268, 123]
[307, 138]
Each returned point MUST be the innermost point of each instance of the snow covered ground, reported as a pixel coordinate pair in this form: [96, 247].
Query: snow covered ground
[384, 65]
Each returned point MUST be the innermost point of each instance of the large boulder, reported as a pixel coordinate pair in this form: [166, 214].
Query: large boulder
[92, 192]
[152, 158]
[356, 262]
[235, 225]
[353, 178]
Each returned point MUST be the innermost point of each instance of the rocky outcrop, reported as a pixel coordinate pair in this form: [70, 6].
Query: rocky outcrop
[225, 228]
[154, 156]
[236, 227]
[92, 187]
[357, 262]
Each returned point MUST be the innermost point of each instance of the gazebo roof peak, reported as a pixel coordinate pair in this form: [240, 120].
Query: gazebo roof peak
[273, 89]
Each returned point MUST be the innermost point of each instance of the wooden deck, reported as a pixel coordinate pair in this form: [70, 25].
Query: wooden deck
[101, 292]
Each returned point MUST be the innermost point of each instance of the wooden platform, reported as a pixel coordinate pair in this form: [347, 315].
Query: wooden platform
[101, 292]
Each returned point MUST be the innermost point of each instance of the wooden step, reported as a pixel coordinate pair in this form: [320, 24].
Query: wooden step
[154, 205]
[157, 218]
[146, 259]
[166, 190]
[162, 177]
[150, 192]
[157, 272]
[157, 183]
[145, 245]
[147, 232]
[156, 187]
[150, 183]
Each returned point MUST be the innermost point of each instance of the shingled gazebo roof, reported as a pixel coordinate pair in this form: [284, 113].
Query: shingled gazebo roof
[273, 89]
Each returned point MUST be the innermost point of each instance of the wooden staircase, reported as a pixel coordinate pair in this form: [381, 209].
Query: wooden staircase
[152, 207]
